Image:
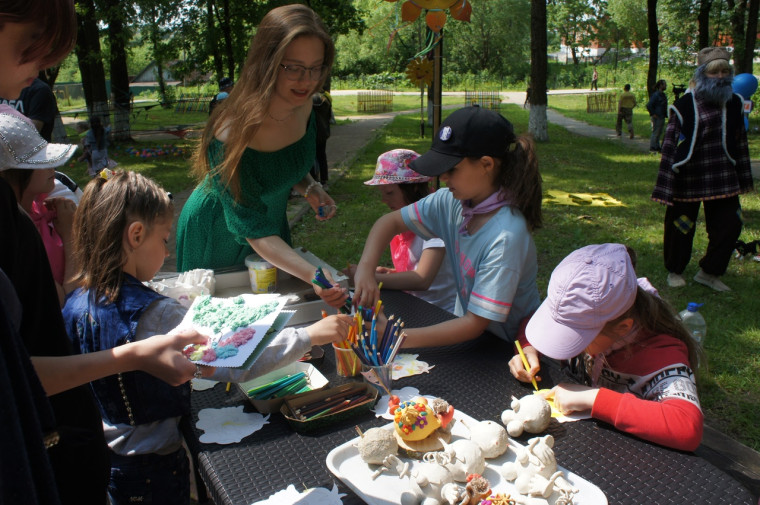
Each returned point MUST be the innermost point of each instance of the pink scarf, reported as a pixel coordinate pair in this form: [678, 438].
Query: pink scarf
[493, 202]
[43, 220]
[400, 245]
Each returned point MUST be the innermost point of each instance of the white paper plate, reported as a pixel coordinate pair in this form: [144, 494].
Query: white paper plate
[346, 464]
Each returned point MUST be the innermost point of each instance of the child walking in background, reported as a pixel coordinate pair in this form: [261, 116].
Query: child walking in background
[419, 265]
[485, 218]
[121, 229]
[96, 142]
[638, 357]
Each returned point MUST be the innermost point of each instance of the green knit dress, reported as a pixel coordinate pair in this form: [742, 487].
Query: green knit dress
[213, 227]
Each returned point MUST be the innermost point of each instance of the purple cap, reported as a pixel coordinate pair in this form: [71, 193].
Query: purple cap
[393, 168]
[590, 287]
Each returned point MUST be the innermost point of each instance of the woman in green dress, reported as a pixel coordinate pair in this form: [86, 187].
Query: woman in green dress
[258, 146]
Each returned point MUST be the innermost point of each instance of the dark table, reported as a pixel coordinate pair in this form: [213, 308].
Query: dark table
[473, 377]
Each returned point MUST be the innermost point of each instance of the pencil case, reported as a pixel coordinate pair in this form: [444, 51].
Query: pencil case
[307, 412]
[314, 380]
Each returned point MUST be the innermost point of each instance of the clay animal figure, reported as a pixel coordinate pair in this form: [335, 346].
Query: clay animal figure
[466, 458]
[426, 484]
[378, 446]
[475, 491]
[535, 472]
[531, 413]
[490, 436]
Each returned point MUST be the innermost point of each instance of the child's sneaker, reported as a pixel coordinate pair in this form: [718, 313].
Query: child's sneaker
[676, 280]
[710, 281]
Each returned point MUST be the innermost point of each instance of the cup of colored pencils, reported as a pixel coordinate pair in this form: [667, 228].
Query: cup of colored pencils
[347, 363]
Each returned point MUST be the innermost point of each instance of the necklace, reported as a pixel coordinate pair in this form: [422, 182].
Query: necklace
[290, 114]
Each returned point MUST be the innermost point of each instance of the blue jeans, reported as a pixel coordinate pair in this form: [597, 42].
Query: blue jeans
[150, 479]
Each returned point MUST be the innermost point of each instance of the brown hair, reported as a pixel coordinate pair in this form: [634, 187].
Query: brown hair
[57, 18]
[106, 210]
[18, 178]
[414, 191]
[519, 176]
[654, 316]
[246, 107]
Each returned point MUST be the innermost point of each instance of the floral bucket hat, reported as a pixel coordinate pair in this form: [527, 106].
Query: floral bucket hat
[393, 168]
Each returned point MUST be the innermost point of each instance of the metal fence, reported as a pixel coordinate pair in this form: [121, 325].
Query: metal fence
[601, 102]
[379, 100]
[486, 99]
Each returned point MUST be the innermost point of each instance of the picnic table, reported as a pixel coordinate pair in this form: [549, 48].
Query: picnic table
[474, 378]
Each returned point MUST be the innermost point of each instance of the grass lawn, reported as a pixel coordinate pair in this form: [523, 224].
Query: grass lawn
[171, 169]
[730, 387]
[574, 106]
[345, 105]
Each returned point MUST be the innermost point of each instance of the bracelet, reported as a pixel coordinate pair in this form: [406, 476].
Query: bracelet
[309, 188]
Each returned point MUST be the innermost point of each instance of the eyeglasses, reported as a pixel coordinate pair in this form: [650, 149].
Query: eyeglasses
[296, 72]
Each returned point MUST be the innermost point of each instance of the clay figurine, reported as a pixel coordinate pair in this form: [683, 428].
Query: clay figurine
[535, 470]
[427, 482]
[531, 413]
[490, 436]
[466, 457]
[378, 446]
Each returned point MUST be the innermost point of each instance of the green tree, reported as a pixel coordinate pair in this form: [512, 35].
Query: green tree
[496, 40]
[575, 21]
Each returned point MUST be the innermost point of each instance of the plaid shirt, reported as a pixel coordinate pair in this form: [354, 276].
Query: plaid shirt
[709, 174]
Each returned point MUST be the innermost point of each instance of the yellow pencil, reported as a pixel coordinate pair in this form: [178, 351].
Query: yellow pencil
[525, 362]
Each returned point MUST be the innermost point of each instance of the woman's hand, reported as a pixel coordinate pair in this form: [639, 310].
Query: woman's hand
[321, 203]
[517, 368]
[569, 398]
[330, 329]
[335, 297]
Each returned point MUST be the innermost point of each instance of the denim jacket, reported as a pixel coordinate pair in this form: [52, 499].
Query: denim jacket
[126, 398]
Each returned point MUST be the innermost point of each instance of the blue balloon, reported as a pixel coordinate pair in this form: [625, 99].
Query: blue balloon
[746, 123]
[745, 85]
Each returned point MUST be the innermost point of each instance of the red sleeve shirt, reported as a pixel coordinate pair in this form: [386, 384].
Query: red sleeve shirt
[648, 390]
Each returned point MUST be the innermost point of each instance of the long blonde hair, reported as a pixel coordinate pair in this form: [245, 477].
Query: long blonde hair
[246, 107]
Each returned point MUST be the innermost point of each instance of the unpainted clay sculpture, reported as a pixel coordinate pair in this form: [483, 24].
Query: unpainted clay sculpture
[531, 413]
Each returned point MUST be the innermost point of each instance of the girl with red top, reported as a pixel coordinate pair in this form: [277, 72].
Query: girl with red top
[636, 356]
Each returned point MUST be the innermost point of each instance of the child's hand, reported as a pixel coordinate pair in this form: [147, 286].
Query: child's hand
[569, 398]
[385, 270]
[517, 368]
[366, 292]
[330, 329]
[64, 220]
[162, 357]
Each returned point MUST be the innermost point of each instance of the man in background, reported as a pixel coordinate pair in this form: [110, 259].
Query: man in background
[625, 110]
[657, 106]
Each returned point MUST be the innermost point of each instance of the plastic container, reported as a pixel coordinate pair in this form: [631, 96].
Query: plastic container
[694, 322]
[263, 275]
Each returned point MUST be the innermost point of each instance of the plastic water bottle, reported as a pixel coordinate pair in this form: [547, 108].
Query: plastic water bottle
[694, 321]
